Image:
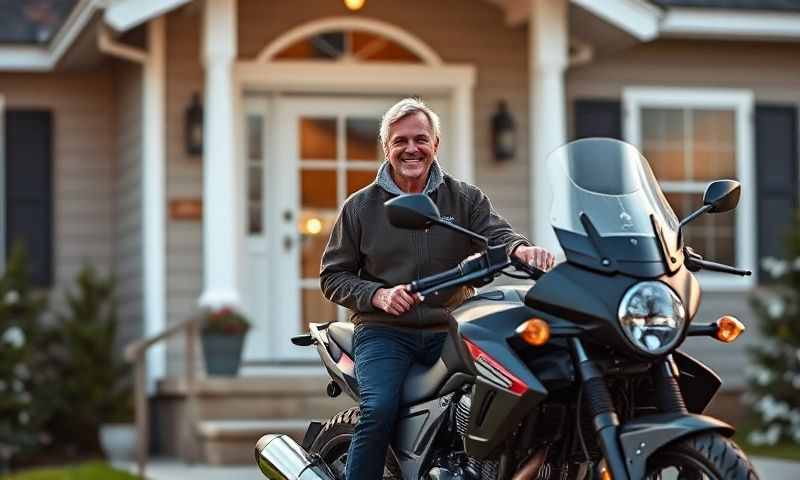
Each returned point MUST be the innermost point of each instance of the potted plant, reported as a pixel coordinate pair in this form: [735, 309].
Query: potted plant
[224, 330]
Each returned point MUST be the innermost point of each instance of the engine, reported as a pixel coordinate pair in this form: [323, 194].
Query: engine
[458, 465]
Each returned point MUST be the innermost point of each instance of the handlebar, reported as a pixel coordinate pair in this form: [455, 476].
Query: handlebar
[477, 268]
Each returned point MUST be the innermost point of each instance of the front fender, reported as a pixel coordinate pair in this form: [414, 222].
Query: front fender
[641, 437]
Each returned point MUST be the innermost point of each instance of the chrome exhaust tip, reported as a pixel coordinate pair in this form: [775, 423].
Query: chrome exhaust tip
[281, 458]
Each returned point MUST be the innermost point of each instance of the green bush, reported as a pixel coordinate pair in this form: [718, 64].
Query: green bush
[25, 404]
[95, 385]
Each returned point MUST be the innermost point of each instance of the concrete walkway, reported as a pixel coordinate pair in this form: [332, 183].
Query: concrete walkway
[170, 469]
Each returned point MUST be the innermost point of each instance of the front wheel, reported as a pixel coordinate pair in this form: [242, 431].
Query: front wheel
[333, 442]
[706, 456]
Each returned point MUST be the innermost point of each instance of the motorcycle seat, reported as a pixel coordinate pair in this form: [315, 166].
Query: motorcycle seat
[422, 382]
[342, 334]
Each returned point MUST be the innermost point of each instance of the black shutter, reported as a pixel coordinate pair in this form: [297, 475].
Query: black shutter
[29, 191]
[598, 118]
[776, 171]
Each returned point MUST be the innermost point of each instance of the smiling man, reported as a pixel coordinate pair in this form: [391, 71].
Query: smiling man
[368, 265]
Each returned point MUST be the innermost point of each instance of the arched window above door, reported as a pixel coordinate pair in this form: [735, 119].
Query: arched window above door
[349, 39]
[348, 45]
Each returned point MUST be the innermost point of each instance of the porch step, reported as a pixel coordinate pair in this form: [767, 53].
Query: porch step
[234, 412]
[231, 442]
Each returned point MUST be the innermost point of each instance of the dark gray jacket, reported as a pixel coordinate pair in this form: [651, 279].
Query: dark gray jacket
[366, 253]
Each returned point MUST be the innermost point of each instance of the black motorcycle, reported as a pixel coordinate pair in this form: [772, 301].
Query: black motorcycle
[576, 377]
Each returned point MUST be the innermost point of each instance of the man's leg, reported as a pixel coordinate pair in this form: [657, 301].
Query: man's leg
[383, 356]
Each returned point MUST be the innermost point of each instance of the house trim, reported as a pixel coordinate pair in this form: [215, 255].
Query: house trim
[729, 23]
[371, 25]
[637, 17]
[742, 101]
[457, 81]
[123, 15]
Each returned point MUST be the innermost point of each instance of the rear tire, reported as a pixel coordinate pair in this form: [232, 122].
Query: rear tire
[333, 442]
[707, 455]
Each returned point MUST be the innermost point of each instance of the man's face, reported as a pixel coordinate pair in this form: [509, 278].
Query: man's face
[411, 147]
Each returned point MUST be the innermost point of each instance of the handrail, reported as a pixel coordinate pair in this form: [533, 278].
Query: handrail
[136, 353]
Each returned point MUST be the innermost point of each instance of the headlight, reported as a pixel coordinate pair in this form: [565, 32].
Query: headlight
[652, 316]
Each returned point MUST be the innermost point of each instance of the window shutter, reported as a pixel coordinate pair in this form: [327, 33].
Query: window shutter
[776, 170]
[28, 189]
[598, 118]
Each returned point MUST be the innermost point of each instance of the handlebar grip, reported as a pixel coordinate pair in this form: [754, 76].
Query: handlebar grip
[427, 282]
[534, 272]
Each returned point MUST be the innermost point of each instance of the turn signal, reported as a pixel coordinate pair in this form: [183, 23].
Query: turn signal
[728, 328]
[535, 332]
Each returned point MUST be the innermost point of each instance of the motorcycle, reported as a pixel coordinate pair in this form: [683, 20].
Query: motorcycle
[576, 377]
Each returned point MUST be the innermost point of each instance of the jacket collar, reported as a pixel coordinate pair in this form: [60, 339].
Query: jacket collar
[384, 179]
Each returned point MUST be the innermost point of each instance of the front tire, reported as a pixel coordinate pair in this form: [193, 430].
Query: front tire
[704, 456]
[333, 442]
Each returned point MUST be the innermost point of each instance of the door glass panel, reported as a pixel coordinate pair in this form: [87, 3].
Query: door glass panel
[315, 229]
[255, 162]
[315, 308]
[317, 138]
[254, 177]
[358, 179]
[362, 139]
[318, 188]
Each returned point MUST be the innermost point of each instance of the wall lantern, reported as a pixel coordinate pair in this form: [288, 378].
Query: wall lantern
[194, 126]
[503, 137]
[354, 5]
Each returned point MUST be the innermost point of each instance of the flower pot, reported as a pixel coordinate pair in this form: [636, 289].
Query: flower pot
[222, 353]
[118, 441]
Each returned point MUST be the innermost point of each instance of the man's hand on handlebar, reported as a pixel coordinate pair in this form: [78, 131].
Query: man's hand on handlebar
[535, 256]
[396, 300]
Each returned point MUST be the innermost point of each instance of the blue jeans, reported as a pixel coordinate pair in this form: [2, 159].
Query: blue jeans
[383, 357]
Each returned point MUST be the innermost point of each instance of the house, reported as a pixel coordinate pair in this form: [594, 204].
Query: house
[101, 131]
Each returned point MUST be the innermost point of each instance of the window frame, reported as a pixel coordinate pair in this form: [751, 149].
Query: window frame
[636, 98]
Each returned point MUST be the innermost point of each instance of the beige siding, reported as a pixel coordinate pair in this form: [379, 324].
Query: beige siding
[83, 170]
[475, 33]
[128, 209]
[770, 70]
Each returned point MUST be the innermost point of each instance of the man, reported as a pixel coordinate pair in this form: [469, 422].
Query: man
[368, 265]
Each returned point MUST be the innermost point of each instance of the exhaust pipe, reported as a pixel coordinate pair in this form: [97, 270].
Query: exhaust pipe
[281, 458]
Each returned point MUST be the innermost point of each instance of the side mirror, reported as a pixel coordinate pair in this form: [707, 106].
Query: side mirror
[413, 212]
[722, 195]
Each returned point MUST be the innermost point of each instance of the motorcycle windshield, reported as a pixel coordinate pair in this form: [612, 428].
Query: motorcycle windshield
[610, 184]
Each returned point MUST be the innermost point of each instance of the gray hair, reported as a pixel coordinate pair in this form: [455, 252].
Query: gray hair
[403, 108]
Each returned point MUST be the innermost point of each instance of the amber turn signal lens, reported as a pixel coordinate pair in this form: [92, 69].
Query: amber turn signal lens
[728, 328]
[535, 332]
[605, 475]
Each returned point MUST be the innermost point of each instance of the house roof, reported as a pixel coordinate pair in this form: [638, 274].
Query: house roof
[33, 21]
[768, 5]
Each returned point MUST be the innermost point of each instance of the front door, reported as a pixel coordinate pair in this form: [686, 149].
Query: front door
[323, 150]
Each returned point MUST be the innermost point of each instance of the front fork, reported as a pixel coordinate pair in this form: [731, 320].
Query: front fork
[600, 405]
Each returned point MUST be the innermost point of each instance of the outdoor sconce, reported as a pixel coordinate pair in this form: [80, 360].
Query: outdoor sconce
[503, 138]
[194, 126]
[354, 5]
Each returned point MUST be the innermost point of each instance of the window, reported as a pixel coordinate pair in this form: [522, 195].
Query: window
[691, 138]
[344, 45]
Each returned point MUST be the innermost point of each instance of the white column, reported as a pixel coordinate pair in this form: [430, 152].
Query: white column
[221, 203]
[548, 59]
[153, 195]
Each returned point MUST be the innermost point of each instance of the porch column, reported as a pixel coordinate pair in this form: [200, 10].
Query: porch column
[548, 59]
[221, 205]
